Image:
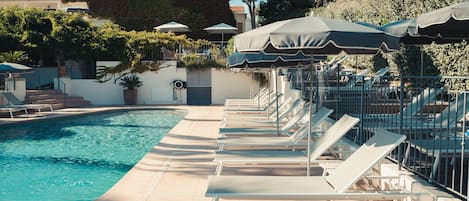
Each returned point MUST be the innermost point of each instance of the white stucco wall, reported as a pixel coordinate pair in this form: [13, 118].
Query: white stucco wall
[157, 87]
[229, 84]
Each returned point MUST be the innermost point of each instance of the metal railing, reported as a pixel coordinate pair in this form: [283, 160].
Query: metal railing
[433, 117]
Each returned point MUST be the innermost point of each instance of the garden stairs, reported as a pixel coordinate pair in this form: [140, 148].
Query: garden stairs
[56, 98]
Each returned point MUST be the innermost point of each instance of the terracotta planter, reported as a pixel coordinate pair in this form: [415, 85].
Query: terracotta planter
[130, 96]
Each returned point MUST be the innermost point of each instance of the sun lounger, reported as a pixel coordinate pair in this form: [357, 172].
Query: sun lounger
[413, 107]
[446, 119]
[264, 92]
[378, 75]
[358, 77]
[230, 115]
[335, 186]
[284, 112]
[15, 102]
[281, 141]
[266, 131]
[11, 110]
[319, 146]
[253, 107]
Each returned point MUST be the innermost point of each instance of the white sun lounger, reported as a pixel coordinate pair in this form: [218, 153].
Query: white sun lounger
[11, 110]
[284, 113]
[259, 115]
[266, 131]
[317, 148]
[263, 93]
[254, 107]
[284, 141]
[16, 103]
[334, 186]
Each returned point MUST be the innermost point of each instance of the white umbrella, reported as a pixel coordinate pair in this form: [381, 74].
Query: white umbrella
[174, 27]
[6, 67]
[222, 29]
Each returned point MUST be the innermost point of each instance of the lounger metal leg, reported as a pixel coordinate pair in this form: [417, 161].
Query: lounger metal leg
[11, 114]
[406, 155]
[219, 168]
[435, 166]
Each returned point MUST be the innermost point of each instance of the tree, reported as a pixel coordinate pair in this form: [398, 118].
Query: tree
[252, 11]
[445, 60]
[143, 15]
[275, 10]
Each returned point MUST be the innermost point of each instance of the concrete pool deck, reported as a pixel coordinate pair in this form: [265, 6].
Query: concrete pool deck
[177, 168]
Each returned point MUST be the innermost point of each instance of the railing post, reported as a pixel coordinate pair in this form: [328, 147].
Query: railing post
[401, 117]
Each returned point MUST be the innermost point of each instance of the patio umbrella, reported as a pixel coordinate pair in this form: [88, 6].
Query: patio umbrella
[6, 67]
[174, 27]
[406, 30]
[261, 61]
[222, 29]
[447, 22]
[314, 35]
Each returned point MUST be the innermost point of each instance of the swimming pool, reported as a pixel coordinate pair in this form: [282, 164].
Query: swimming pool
[77, 158]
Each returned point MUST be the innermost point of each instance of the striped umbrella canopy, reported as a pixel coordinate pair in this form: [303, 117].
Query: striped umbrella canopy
[263, 60]
[447, 22]
[406, 30]
[315, 35]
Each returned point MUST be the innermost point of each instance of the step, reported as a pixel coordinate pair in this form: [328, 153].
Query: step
[40, 92]
[42, 97]
[56, 98]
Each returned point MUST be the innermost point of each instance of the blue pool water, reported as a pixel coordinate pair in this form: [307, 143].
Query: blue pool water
[77, 158]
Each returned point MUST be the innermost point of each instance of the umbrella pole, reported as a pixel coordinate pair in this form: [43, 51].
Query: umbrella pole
[310, 126]
[276, 101]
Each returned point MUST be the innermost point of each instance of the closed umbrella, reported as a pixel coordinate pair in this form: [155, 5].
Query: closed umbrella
[447, 22]
[314, 35]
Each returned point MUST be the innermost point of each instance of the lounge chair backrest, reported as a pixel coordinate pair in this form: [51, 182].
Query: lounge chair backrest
[363, 159]
[290, 109]
[318, 117]
[358, 77]
[272, 100]
[295, 119]
[283, 106]
[11, 98]
[332, 135]
[419, 101]
[378, 75]
[454, 112]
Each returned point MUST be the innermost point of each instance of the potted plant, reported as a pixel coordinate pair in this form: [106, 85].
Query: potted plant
[130, 84]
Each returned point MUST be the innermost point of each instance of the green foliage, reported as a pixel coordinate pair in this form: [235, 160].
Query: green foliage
[37, 34]
[447, 59]
[194, 61]
[146, 14]
[14, 57]
[130, 82]
[276, 10]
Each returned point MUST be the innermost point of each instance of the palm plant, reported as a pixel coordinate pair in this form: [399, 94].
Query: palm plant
[130, 82]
